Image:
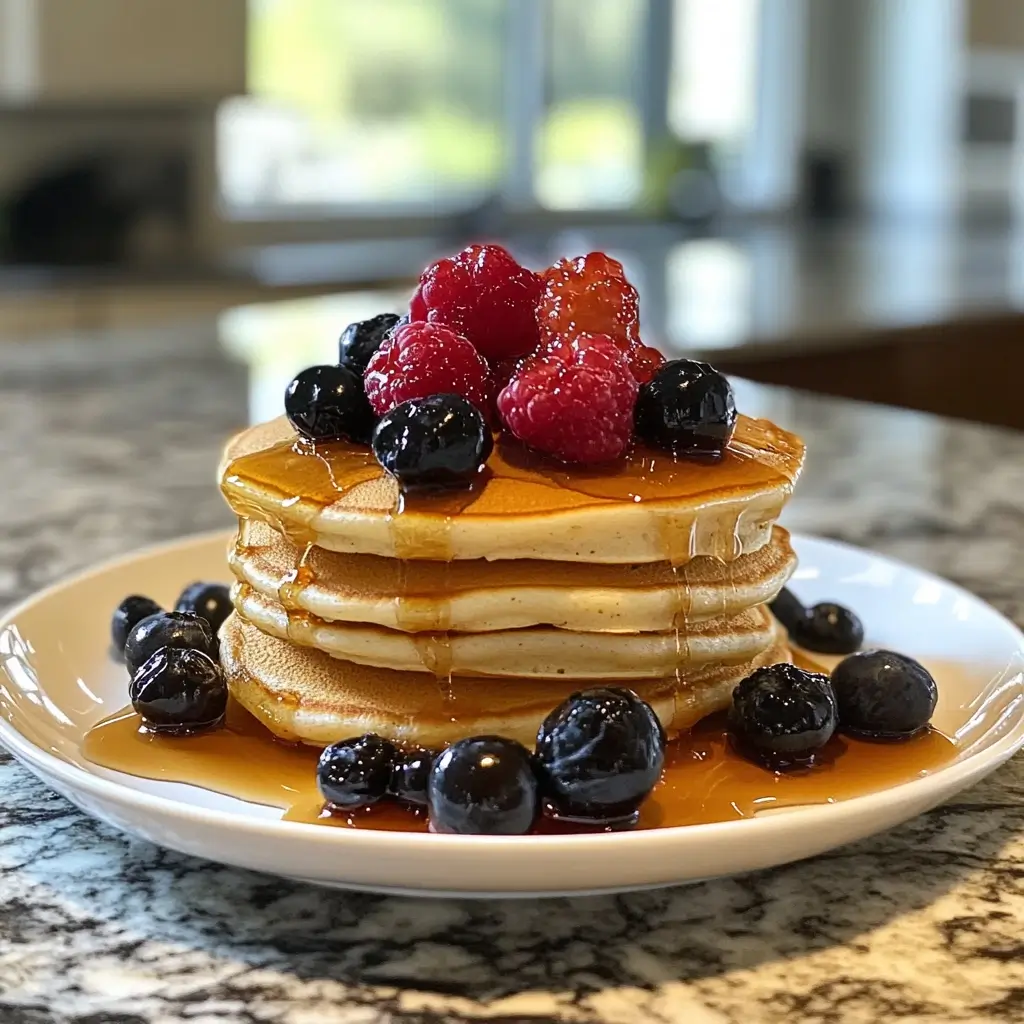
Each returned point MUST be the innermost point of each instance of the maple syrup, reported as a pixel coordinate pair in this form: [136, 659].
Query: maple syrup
[308, 477]
[704, 779]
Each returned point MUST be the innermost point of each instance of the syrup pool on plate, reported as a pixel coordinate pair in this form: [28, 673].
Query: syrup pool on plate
[704, 779]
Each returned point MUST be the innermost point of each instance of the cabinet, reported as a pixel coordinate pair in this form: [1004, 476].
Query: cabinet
[71, 52]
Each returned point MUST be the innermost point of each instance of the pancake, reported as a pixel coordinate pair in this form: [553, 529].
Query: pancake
[305, 695]
[539, 652]
[645, 508]
[478, 595]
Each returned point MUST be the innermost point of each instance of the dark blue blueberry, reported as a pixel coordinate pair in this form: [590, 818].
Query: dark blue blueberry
[687, 408]
[782, 715]
[483, 786]
[355, 773]
[167, 629]
[179, 690]
[360, 340]
[211, 601]
[829, 628]
[599, 754]
[883, 695]
[788, 609]
[409, 776]
[127, 615]
[327, 403]
[431, 443]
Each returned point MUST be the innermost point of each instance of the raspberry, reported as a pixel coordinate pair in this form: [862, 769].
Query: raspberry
[485, 295]
[576, 405]
[644, 362]
[588, 295]
[420, 360]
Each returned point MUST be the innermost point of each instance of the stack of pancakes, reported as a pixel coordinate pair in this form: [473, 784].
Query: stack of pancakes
[429, 619]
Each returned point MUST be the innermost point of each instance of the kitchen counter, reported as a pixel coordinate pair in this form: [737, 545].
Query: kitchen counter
[110, 445]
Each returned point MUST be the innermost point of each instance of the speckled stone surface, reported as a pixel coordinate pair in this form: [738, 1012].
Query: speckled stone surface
[111, 444]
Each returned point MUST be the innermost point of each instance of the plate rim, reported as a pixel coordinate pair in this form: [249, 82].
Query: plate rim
[952, 778]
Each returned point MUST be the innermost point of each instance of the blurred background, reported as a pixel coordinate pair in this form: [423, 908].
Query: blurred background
[822, 193]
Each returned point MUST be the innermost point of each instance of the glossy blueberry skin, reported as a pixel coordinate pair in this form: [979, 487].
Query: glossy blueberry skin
[127, 615]
[782, 715]
[327, 403]
[599, 753]
[883, 695]
[433, 443]
[788, 609]
[410, 774]
[361, 339]
[179, 690]
[167, 629]
[829, 628]
[210, 601]
[355, 773]
[484, 785]
[687, 408]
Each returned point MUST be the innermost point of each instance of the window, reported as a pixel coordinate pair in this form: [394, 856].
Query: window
[361, 108]
[590, 146]
[358, 103]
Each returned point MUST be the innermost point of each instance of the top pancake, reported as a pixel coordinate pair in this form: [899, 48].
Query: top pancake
[647, 507]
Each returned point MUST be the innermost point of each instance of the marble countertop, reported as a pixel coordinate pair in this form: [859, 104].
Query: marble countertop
[110, 443]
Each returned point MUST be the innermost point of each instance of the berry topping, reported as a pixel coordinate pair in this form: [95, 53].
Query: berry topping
[360, 340]
[211, 601]
[588, 295]
[167, 629]
[420, 360]
[828, 628]
[577, 406]
[782, 715]
[436, 442]
[409, 776]
[179, 690]
[325, 403]
[644, 362]
[355, 773]
[883, 695]
[688, 409]
[127, 615]
[483, 786]
[598, 755]
[485, 295]
[788, 609]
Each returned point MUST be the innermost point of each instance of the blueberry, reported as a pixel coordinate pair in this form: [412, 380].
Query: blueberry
[167, 629]
[688, 409]
[127, 615]
[211, 601]
[483, 786]
[829, 628]
[599, 753]
[788, 609]
[179, 690]
[409, 776]
[436, 442]
[355, 773]
[883, 695]
[360, 340]
[782, 715]
[326, 403]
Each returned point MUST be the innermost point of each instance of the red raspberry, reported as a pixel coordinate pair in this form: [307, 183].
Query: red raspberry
[588, 295]
[485, 295]
[645, 362]
[419, 360]
[576, 405]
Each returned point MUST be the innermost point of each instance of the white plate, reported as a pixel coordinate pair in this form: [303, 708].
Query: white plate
[57, 679]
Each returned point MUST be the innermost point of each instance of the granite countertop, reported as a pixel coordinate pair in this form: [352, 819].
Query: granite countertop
[109, 443]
